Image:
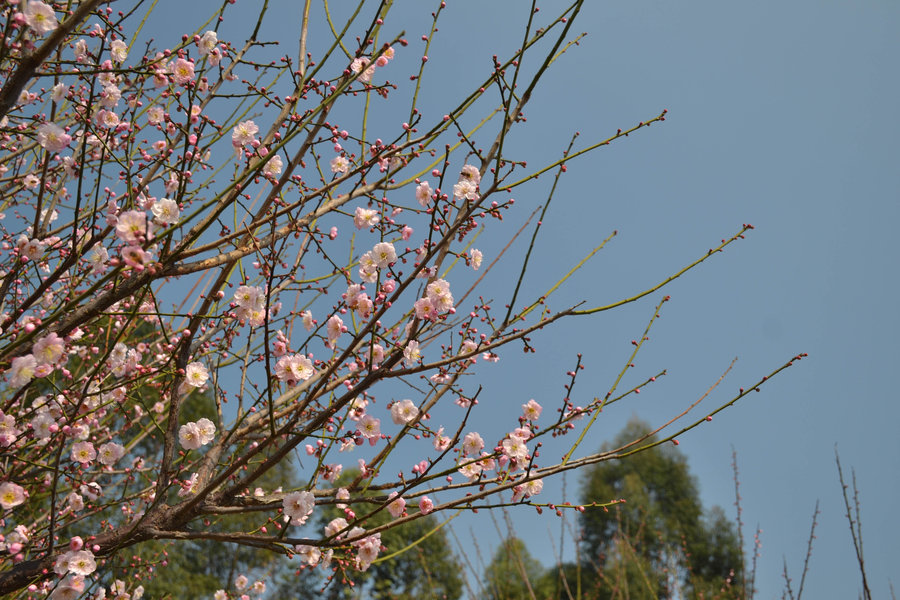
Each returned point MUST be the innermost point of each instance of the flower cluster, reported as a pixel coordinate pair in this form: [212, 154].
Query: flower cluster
[365, 68]
[437, 299]
[195, 434]
[294, 369]
[250, 305]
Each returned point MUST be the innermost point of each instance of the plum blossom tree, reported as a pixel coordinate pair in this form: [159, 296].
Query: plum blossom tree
[207, 217]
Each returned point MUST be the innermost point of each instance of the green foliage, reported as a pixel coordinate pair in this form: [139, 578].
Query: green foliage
[512, 572]
[659, 540]
[559, 581]
[657, 544]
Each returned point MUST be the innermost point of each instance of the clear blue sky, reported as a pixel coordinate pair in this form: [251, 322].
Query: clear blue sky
[781, 114]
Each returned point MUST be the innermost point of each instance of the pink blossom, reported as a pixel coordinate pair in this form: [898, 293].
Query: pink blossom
[404, 412]
[132, 227]
[425, 309]
[470, 173]
[58, 92]
[249, 297]
[475, 258]
[207, 431]
[334, 328]
[357, 408]
[21, 371]
[368, 268]
[53, 138]
[472, 443]
[438, 292]
[425, 505]
[118, 50]
[531, 410]
[365, 217]
[111, 452]
[423, 194]
[528, 489]
[30, 249]
[196, 374]
[40, 17]
[189, 486]
[367, 548]
[331, 472]
[98, 258]
[83, 452]
[397, 506]
[384, 254]
[514, 448]
[293, 369]
[207, 43]
[49, 349]
[273, 166]
[309, 554]
[441, 441]
[361, 65]
[189, 436]
[386, 56]
[166, 211]
[376, 354]
[136, 257]
[69, 588]
[244, 133]
[470, 471]
[107, 119]
[523, 433]
[81, 51]
[82, 562]
[11, 495]
[491, 357]
[340, 164]
[215, 55]
[337, 524]
[182, 71]
[298, 506]
[411, 353]
[465, 189]
[155, 115]
[8, 431]
[369, 427]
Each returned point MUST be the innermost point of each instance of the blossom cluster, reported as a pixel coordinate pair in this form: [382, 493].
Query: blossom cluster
[193, 435]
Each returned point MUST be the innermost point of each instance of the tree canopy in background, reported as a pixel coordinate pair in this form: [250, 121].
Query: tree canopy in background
[657, 543]
[660, 537]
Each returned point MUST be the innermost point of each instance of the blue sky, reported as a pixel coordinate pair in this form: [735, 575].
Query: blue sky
[781, 114]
